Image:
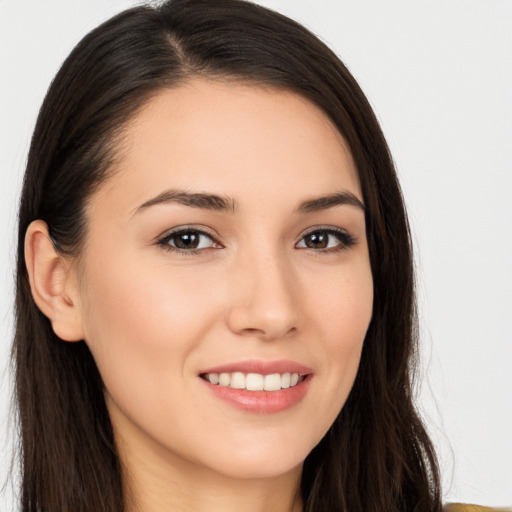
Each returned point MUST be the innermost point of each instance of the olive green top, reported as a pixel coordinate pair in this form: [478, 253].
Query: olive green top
[463, 507]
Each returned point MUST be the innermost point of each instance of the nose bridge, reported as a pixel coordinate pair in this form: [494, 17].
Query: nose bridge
[264, 300]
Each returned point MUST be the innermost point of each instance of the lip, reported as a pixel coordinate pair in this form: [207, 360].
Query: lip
[261, 402]
[261, 367]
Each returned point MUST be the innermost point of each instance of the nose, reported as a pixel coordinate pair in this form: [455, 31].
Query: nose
[265, 299]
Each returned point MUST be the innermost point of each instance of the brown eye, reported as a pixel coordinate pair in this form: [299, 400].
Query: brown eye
[327, 240]
[317, 240]
[188, 240]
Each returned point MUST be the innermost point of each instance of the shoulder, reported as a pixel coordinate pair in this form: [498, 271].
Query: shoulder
[463, 507]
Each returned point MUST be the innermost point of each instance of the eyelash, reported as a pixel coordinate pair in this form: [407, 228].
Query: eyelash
[345, 240]
[164, 242]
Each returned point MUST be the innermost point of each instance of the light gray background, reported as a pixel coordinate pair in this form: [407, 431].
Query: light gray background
[439, 75]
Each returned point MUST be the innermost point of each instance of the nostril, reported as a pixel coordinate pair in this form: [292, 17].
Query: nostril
[269, 333]
[263, 310]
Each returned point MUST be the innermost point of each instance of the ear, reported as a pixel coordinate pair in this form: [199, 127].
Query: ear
[53, 283]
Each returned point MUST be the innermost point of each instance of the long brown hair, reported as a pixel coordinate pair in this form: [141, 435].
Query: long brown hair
[377, 455]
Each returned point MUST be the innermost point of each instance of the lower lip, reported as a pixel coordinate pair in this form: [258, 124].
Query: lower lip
[261, 402]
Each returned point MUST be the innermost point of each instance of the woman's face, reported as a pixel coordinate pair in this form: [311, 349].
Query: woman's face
[228, 245]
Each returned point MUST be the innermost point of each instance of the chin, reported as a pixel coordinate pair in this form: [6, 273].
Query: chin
[260, 468]
[259, 460]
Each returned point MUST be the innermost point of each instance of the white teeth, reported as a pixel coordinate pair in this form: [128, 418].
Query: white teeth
[272, 382]
[237, 380]
[224, 379]
[255, 381]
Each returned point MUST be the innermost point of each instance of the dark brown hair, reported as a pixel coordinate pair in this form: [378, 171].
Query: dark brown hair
[377, 455]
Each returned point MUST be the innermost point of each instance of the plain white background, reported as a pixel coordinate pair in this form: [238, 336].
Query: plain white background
[439, 75]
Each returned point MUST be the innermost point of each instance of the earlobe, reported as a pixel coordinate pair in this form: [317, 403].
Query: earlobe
[53, 286]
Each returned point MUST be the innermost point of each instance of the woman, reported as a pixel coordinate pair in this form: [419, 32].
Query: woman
[215, 301]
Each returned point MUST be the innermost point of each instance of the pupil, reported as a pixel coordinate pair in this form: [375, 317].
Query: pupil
[317, 240]
[187, 241]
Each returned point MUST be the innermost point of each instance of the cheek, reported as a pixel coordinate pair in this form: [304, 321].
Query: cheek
[343, 307]
[343, 312]
[141, 322]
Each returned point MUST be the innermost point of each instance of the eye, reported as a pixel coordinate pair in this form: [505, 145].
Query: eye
[188, 240]
[328, 240]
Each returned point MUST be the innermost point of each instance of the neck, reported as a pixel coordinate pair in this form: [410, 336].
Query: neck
[157, 486]
[158, 481]
[151, 493]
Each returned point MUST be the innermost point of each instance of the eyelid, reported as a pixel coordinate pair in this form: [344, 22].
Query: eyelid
[327, 228]
[346, 239]
[164, 238]
[188, 227]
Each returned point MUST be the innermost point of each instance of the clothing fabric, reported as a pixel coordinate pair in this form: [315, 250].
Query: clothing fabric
[465, 507]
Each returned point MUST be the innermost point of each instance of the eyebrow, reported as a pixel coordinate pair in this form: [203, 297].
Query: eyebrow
[325, 202]
[196, 200]
[226, 204]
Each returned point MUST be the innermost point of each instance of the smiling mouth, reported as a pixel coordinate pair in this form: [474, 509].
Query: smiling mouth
[254, 381]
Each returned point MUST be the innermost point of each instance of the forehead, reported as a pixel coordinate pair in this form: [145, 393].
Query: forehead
[224, 137]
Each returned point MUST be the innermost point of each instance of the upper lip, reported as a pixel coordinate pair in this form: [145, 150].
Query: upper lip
[261, 367]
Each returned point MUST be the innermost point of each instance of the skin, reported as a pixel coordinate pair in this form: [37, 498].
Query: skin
[154, 317]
